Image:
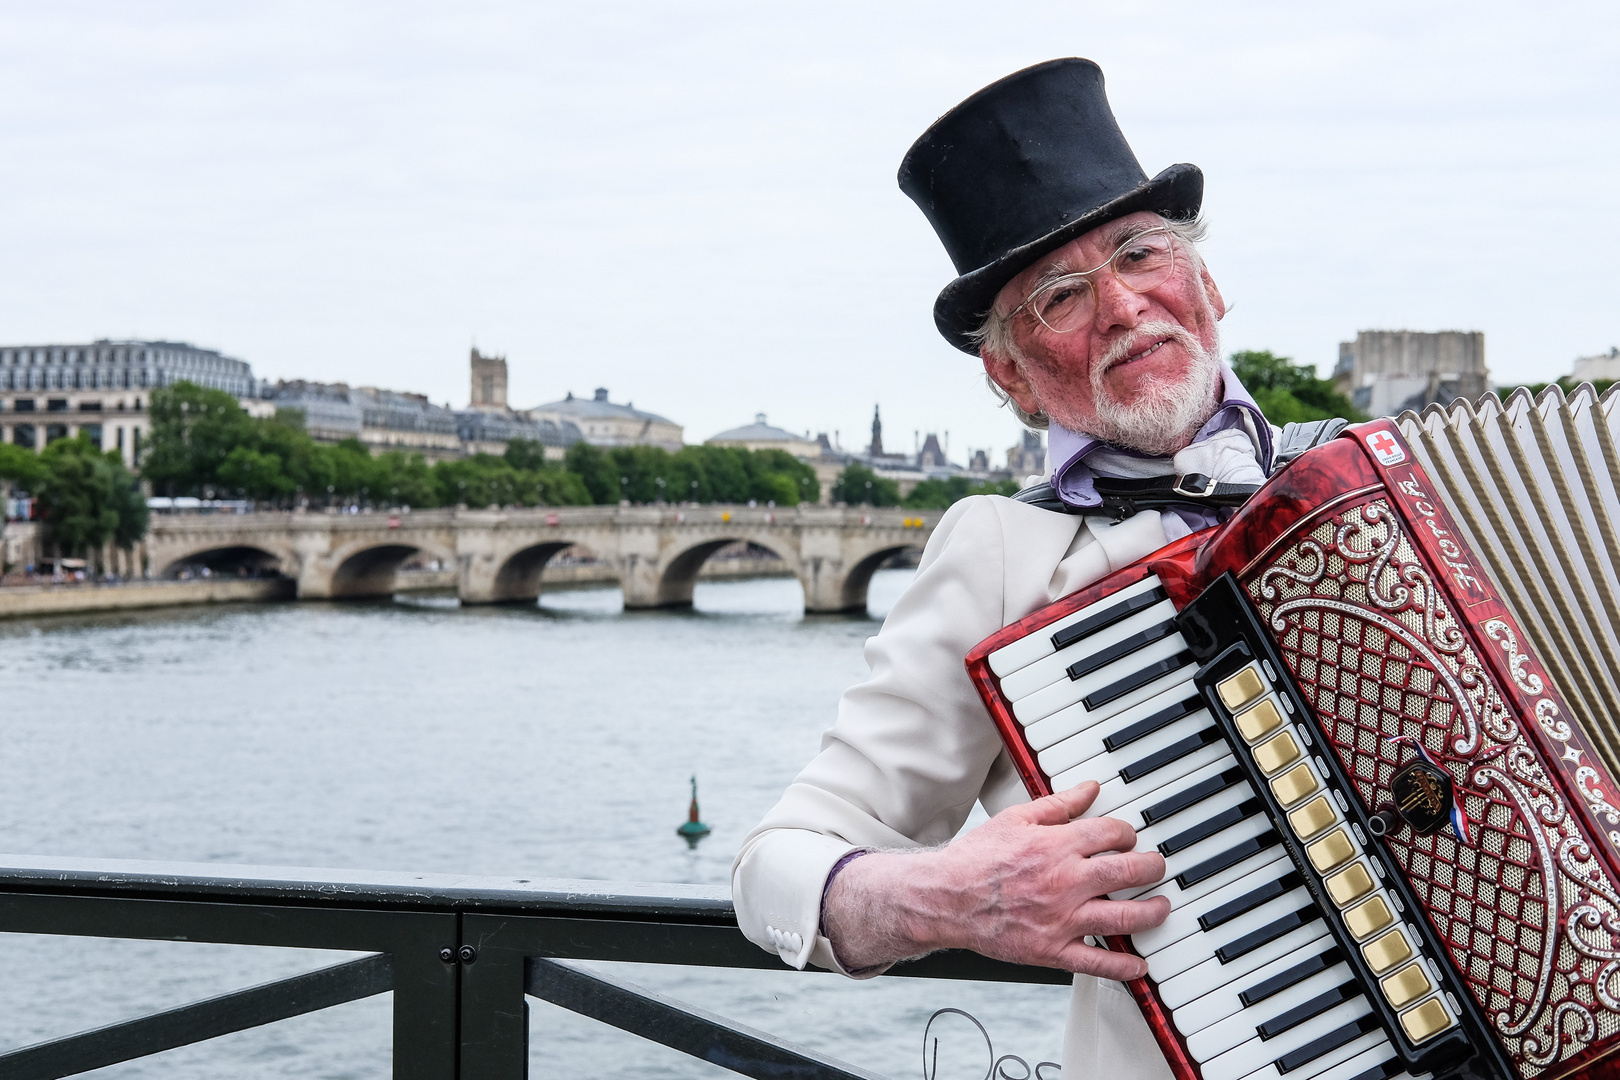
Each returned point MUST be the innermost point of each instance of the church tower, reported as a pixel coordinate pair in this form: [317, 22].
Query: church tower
[876, 449]
[488, 382]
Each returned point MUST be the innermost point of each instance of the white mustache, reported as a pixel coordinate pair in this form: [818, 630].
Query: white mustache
[1141, 338]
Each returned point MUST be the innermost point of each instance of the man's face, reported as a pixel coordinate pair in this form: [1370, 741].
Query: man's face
[1143, 364]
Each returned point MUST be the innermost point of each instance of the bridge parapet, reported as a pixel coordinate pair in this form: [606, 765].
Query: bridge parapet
[500, 554]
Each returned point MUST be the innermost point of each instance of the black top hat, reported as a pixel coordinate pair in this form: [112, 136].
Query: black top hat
[1020, 169]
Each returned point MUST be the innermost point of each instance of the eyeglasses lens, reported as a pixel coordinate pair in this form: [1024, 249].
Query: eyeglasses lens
[1141, 263]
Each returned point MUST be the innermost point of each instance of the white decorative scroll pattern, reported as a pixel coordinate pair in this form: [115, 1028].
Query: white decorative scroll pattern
[1528, 913]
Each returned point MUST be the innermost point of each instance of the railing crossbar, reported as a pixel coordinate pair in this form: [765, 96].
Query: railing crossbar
[201, 1020]
[680, 1026]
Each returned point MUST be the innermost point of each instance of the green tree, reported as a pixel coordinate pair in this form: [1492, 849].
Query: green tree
[859, 486]
[88, 498]
[1288, 392]
[596, 472]
[194, 429]
[938, 494]
[1567, 383]
[20, 466]
[526, 455]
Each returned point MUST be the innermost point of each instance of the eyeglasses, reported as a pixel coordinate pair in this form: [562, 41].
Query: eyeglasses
[1068, 302]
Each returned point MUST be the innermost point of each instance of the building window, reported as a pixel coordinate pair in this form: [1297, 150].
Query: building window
[89, 406]
[23, 435]
[56, 404]
[54, 432]
[93, 432]
[24, 404]
[120, 434]
[135, 435]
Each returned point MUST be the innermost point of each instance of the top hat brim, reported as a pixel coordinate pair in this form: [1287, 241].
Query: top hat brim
[962, 306]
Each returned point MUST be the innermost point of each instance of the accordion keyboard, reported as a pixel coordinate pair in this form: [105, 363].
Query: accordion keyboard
[1256, 984]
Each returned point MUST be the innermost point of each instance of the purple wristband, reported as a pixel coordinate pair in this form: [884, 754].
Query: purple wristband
[837, 869]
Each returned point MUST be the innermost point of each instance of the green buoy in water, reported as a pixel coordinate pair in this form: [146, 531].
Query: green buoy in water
[693, 829]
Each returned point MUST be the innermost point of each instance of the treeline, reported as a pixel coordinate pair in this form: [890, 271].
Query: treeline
[203, 443]
[859, 486]
[86, 496]
[1290, 393]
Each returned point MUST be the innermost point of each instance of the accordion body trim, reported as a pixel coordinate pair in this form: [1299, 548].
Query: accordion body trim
[1395, 639]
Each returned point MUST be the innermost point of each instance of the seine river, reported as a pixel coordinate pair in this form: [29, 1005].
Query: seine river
[552, 741]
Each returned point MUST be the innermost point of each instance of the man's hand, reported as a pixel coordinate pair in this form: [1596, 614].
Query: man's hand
[1027, 886]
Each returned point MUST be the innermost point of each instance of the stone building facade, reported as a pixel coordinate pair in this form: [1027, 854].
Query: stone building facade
[605, 423]
[49, 392]
[1386, 371]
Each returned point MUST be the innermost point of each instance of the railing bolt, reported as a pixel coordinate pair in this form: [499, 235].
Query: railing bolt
[447, 954]
[468, 954]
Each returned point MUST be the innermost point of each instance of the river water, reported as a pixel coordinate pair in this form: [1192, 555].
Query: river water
[552, 741]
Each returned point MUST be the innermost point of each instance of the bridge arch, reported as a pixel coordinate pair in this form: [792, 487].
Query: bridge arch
[517, 579]
[680, 571]
[229, 560]
[848, 593]
[371, 569]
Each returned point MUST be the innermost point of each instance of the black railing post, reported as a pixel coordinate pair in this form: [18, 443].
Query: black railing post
[425, 1004]
[494, 1009]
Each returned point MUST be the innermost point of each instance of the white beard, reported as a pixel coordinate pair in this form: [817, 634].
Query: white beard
[1166, 416]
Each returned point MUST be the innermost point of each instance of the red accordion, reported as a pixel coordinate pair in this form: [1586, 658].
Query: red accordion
[1392, 846]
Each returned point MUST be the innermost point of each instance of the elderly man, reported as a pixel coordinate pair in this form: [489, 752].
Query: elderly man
[1082, 291]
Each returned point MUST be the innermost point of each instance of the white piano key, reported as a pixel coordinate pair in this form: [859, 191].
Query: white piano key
[1192, 951]
[1051, 730]
[1183, 919]
[1084, 731]
[1358, 1064]
[1241, 1027]
[1171, 827]
[1026, 650]
[1321, 1066]
[1224, 1001]
[1240, 1061]
[1049, 699]
[1117, 792]
[1212, 974]
[1177, 896]
[1203, 851]
[1105, 764]
[1055, 666]
[1131, 812]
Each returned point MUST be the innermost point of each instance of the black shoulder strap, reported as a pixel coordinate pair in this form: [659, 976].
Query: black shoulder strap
[1122, 498]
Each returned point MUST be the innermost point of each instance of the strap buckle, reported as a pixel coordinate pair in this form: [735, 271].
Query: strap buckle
[1193, 485]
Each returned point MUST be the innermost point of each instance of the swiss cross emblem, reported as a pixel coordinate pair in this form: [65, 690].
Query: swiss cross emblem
[1385, 448]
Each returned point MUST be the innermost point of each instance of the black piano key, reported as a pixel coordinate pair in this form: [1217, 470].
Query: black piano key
[1316, 1006]
[1137, 679]
[1382, 1071]
[1120, 649]
[1174, 752]
[1102, 620]
[1230, 910]
[1281, 981]
[1268, 933]
[1231, 857]
[1127, 735]
[1210, 826]
[1327, 1043]
[1200, 791]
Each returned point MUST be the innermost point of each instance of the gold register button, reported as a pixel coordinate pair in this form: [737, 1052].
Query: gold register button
[1331, 850]
[1349, 884]
[1277, 754]
[1256, 723]
[1294, 784]
[1365, 920]
[1241, 688]
[1385, 952]
[1312, 818]
[1407, 985]
[1427, 1019]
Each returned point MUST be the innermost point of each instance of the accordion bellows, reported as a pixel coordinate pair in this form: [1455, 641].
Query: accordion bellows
[1373, 724]
[1532, 485]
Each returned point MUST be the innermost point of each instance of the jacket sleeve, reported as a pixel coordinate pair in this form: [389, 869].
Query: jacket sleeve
[905, 761]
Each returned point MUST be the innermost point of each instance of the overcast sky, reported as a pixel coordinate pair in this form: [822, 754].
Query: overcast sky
[694, 204]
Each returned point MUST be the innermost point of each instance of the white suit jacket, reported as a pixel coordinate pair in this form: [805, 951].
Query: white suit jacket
[913, 747]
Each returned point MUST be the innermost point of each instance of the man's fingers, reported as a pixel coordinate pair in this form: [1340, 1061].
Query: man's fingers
[1090, 960]
[1060, 808]
[1109, 917]
[1092, 836]
[1103, 874]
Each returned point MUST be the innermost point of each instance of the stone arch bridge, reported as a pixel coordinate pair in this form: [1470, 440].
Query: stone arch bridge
[498, 556]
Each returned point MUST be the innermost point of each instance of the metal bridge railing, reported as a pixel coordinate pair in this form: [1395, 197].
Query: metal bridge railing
[460, 954]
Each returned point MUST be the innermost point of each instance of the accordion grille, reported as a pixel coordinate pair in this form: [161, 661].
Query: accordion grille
[1534, 484]
[1378, 653]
